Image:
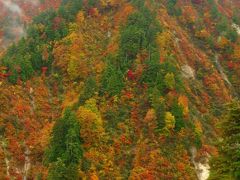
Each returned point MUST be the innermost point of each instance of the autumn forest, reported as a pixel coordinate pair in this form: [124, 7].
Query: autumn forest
[120, 89]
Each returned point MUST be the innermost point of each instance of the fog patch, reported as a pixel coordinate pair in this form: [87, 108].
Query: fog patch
[13, 28]
[13, 7]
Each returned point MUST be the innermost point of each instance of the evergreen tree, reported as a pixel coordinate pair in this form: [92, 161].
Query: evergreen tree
[14, 76]
[222, 25]
[232, 35]
[65, 151]
[171, 8]
[69, 9]
[92, 3]
[26, 67]
[227, 164]
[177, 111]
[158, 103]
[236, 16]
[131, 41]
[139, 33]
[112, 81]
[89, 89]
[214, 11]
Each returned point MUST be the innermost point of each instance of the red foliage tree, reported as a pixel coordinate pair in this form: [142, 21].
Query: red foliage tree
[130, 75]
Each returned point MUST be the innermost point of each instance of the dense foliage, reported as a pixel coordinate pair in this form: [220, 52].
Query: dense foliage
[97, 89]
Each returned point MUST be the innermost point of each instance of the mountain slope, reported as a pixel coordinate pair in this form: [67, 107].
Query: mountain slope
[143, 83]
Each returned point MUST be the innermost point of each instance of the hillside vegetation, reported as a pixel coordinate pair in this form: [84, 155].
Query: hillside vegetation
[119, 89]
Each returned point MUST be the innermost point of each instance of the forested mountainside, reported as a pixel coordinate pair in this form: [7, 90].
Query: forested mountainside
[120, 89]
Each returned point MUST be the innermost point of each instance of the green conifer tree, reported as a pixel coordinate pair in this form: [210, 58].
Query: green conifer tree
[65, 151]
[227, 164]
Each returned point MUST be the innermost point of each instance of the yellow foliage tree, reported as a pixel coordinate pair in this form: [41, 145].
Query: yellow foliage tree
[91, 123]
[169, 121]
[97, 152]
[169, 80]
[165, 43]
